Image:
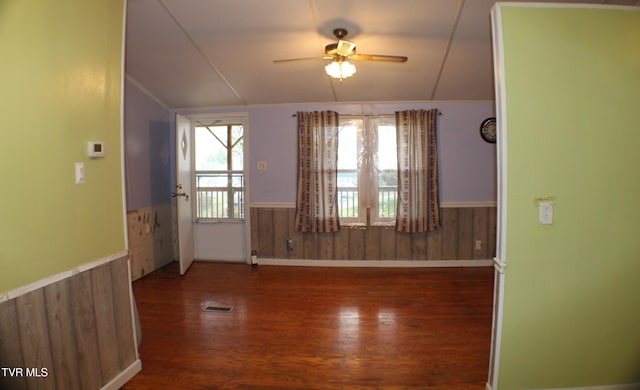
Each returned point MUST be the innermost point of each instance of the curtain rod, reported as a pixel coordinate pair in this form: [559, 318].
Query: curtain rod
[294, 115]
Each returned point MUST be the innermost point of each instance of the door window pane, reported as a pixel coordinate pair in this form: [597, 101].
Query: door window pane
[219, 171]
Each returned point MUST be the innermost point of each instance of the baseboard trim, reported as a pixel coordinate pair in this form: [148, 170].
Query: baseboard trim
[124, 377]
[630, 386]
[58, 277]
[377, 263]
[499, 265]
[229, 259]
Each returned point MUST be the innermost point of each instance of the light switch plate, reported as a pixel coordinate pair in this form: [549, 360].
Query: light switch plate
[79, 173]
[546, 213]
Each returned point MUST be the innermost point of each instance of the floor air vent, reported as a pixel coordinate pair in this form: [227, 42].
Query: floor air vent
[212, 307]
[218, 309]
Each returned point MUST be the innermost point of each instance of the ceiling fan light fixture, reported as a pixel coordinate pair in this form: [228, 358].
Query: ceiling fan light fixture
[340, 69]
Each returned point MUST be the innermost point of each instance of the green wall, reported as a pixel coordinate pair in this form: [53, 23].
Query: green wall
[60, 79]
[572, 289]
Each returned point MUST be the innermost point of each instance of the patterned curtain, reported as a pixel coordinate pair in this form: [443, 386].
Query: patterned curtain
[418, 206]
[317, 196]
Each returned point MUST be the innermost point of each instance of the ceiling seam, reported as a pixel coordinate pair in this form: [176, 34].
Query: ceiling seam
[314, 16]
[211, 65]
[447, 48]
[139, 85]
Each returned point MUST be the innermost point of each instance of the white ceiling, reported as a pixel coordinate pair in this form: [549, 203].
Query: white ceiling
[213, 53]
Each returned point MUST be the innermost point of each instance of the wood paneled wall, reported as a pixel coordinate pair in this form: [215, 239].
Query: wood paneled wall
[76, 333]
[462, 228]
[151, 238]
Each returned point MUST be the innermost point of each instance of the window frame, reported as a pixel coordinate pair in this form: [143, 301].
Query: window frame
[230, 189]
[368, 183]
[360, 175]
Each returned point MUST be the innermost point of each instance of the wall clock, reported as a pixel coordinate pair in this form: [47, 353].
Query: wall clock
[488, 130]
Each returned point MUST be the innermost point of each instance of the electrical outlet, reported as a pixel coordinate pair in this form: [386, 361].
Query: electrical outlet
[290, 245]
[478, 245]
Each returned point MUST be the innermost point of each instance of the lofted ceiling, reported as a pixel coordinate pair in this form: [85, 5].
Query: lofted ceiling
[214, 53]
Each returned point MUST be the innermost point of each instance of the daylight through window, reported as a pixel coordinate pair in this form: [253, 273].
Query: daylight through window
[367, 170]
[219, 176]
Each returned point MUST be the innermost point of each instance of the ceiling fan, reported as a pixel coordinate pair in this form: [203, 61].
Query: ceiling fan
[341, 52]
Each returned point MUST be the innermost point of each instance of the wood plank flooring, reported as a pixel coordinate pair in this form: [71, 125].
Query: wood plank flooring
[314, 328]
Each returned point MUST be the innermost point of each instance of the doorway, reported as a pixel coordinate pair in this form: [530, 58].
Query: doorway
[219, 187]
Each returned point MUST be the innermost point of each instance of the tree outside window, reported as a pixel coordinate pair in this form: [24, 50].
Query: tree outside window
[219, 171]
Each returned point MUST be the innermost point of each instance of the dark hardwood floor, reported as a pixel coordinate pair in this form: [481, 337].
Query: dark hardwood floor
[314, 328]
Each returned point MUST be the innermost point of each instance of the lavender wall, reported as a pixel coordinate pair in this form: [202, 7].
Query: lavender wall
[468, 164]
[147, 149]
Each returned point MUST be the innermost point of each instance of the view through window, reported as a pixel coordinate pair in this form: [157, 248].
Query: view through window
[219, 174]
[367, 170]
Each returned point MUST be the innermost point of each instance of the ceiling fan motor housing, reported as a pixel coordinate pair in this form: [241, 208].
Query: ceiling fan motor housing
[342, 48]
[334, 49]
[340, 33]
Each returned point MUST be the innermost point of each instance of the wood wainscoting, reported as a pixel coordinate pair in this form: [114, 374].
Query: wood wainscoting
[151, 238]
[467, 233]
[75, 332]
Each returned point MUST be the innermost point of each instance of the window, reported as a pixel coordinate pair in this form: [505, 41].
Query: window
[367, 170]
[219, 175]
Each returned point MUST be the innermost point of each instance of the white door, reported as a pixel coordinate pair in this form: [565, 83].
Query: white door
[221, 213]
[183, 193]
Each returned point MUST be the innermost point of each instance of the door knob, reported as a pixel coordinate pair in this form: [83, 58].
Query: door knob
[176, 194]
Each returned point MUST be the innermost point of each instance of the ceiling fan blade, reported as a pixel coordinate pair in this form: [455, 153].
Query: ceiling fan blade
[377, 57]
[301, 59]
